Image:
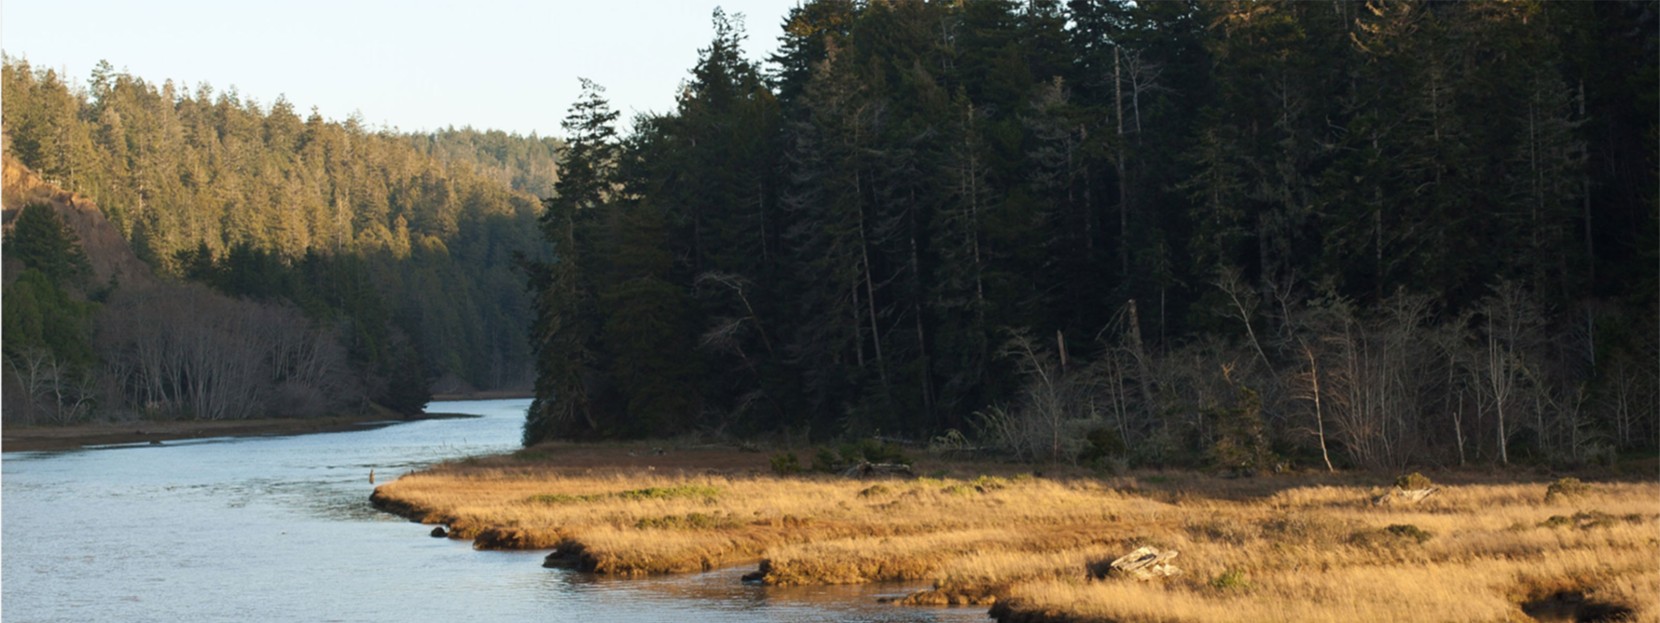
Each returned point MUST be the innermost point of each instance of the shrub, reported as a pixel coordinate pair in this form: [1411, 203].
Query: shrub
[1105, 445]
[875, 490]
[826, 460]
[1413, 481]
[786, 463]
[1392, 535]
[853, 453]
[1566, 488]
[1409, 531]
[1586, 520]
[875, 452]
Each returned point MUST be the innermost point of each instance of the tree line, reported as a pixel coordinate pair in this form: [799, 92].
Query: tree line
[1179, 233]
[400, 248]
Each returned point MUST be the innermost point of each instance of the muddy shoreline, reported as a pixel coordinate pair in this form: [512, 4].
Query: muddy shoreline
[493, 394]
[51, 438]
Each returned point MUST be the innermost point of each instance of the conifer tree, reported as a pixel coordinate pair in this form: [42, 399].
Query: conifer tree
[565, 330]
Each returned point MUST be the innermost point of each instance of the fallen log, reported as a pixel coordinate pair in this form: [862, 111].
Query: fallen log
[1404, 496]
[1145, 563]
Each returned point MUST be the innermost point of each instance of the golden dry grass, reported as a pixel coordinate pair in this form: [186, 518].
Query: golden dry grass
[1301, 548]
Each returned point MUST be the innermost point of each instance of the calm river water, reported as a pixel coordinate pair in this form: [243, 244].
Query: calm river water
[280, 529]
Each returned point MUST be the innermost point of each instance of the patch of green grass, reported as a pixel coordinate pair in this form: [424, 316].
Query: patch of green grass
[707, 492]
[1231, 580]
[689, 521]
[670, 493]
[565, 498]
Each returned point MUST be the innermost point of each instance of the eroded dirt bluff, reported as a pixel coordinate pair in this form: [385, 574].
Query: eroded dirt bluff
[107, 251]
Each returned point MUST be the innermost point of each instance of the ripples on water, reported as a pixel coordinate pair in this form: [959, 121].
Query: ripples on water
[280, 529]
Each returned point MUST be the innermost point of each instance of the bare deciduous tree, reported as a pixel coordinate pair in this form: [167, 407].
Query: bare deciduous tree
[184, 351]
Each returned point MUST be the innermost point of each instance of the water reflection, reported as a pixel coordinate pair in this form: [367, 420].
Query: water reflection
[279, 528]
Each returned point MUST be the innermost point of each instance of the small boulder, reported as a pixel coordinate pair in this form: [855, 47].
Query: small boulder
[563, 558]
[439, 532]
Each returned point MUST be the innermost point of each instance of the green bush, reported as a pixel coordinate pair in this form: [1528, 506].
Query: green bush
[826, 460]
[1413, 481]
[785, 463]
[865, 450]
[1105, 445]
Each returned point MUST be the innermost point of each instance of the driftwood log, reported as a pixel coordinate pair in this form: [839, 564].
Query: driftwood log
[866, 469]
[1404, 496]
[1143, 564]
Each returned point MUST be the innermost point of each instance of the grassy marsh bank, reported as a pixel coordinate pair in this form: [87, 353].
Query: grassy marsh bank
[1286, 548]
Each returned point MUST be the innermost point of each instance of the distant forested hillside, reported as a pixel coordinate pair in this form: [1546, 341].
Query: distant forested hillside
[406, 245]
[526, 164]
[1194, 232]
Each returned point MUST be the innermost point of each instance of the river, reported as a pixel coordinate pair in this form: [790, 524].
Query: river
[280, 529]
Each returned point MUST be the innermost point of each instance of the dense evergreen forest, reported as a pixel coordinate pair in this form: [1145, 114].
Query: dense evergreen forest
[1207, 233]
[399, 250]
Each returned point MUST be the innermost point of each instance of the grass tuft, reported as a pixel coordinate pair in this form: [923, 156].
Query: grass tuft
[1231, 580]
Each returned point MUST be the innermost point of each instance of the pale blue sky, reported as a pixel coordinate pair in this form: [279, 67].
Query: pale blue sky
[413, 64]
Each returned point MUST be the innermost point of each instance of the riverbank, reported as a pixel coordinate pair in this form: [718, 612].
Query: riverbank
[1306, 547]
[46, 438]
[492, 394]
